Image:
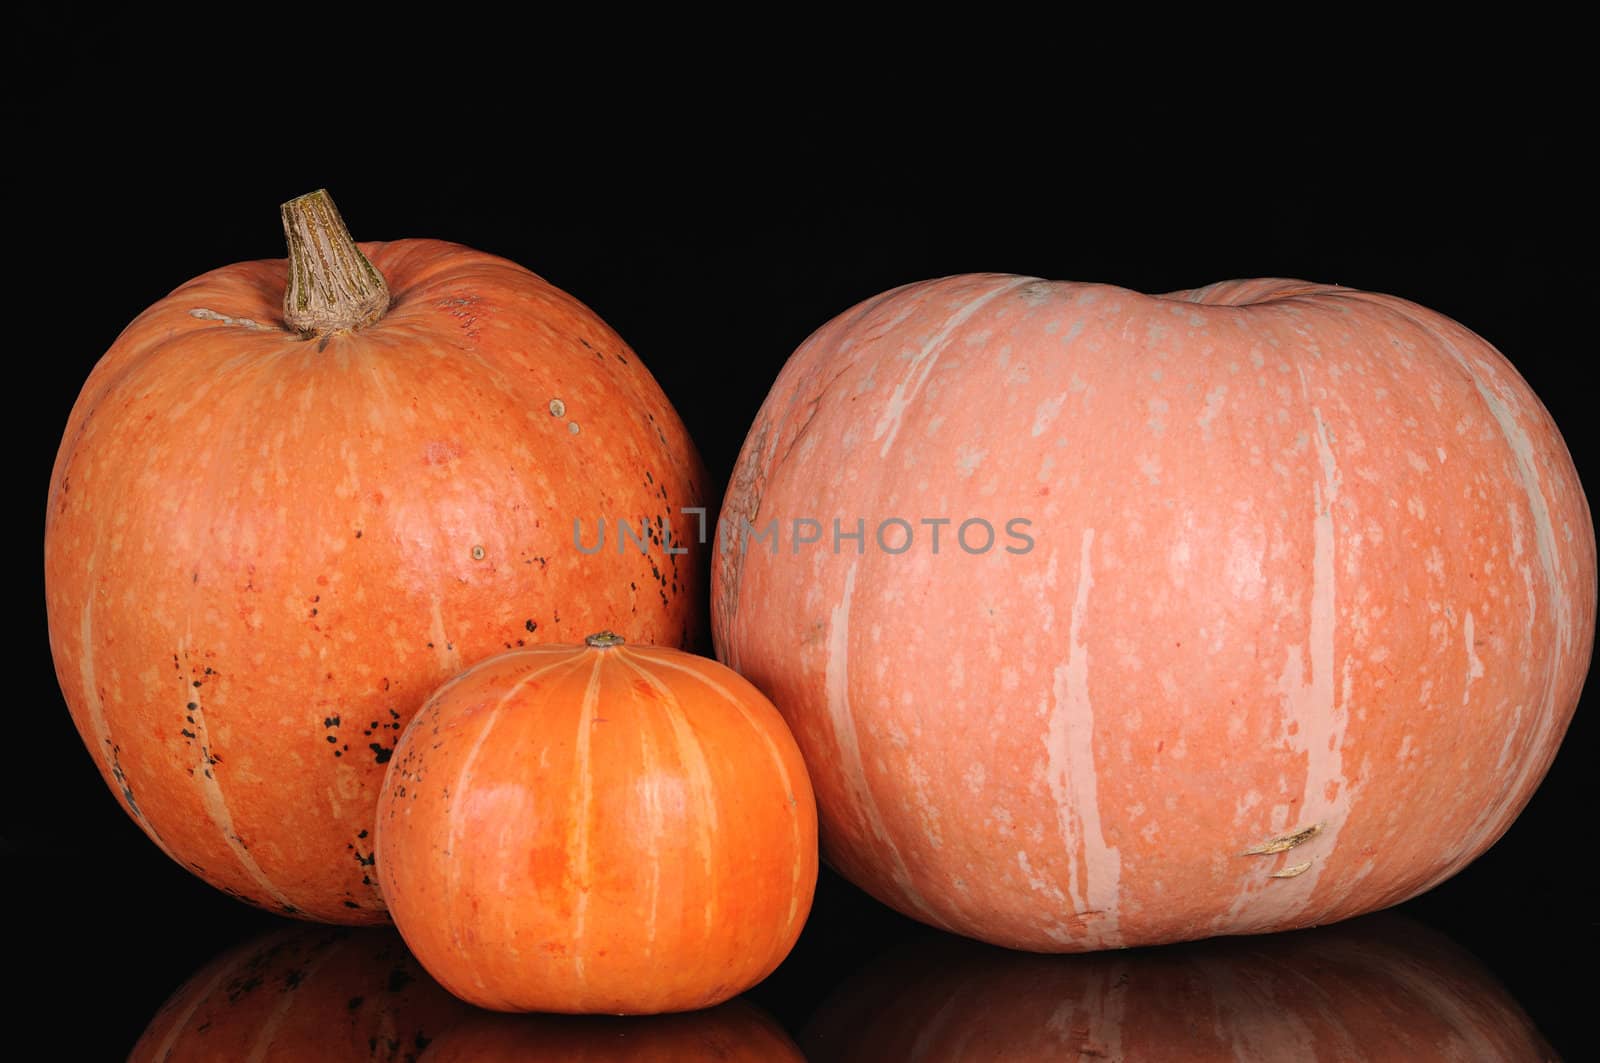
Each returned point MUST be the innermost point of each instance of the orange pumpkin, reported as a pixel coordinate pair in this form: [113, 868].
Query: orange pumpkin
[271, 533]
[598, 828]
[1378, 988]
[1252, 607]
[735, 1032]
[303, 994]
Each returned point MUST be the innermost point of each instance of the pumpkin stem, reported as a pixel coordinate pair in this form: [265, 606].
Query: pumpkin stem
[332, 287]
[603, 640]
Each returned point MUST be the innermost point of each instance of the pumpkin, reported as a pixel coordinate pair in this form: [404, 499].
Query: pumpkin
[1106, 619]
[304, 993]
[598, 828]
[271, 533]
[735, 1032]
[1383, 987]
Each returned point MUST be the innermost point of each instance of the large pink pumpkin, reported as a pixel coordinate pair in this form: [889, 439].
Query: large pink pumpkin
[1299, 616]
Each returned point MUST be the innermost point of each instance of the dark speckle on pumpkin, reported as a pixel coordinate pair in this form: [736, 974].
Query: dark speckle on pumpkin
[243, 987]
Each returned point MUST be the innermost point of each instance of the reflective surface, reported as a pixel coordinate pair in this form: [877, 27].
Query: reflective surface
[311, 993]
[862, 985]
[735, 1032]
[1382, 987]
[304, 992]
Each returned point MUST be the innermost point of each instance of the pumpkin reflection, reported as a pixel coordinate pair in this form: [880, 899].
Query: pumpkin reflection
[733, 1032]
[305, 994]
[1377, 988]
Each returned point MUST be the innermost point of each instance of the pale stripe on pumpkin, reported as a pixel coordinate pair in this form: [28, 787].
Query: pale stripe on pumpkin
[694, 759]
[215, 802]
[106, 749]
[578, 835]
[1316, 705]
[837, 682]
[444, 649]
[1070, 771]
[922, 364]
[457, 811]
[656, 817]
[659, 660]
[1555, 596]
[1494, 816]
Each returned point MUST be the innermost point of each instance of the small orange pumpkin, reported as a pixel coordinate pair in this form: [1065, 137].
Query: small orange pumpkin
[598, 828]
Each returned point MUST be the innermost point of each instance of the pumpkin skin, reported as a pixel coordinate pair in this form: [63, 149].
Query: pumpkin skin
[1300, 619]
[1383, 987]
[598, 829]
[262, 553]
[735, 1032]
[306, 993]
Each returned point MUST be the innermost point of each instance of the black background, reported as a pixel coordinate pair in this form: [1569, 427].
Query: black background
[714, 228]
